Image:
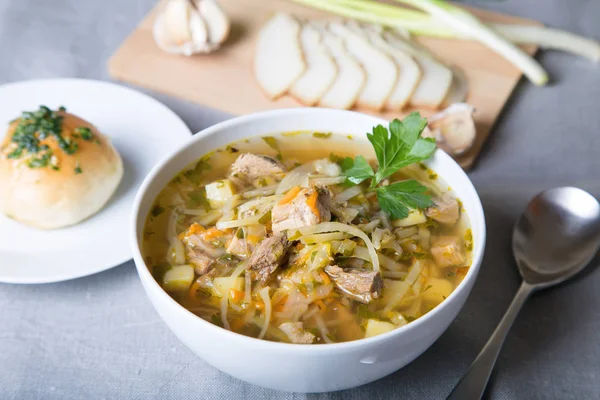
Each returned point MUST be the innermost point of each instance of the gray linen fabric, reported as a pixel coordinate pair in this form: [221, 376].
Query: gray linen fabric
[99, 338]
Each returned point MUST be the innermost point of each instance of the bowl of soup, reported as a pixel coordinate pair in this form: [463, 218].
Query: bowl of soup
[269, 263]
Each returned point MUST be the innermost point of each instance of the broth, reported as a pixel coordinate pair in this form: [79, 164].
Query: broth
[308, 282]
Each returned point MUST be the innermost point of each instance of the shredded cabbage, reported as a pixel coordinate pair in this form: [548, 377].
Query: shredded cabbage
[351, 230]
[323, 237]
[322, 328]
[224, 304]
[329, 180]
[263, 191]
[236, 223]
[258, 202]
[348, 194]
[264, 294]
[296, 177]
[388, 263]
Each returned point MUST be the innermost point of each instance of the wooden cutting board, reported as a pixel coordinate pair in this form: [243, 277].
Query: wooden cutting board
[224, 79]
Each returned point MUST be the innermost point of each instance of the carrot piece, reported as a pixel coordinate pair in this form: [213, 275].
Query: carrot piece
[236, 324]
[192, 230]
[211, 234]
[289, 196]
[325, 277]
[236, 295]
[280, 304]
[312, 203]
[193, 292]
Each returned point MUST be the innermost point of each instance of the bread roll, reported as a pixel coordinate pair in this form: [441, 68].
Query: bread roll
[56, 169]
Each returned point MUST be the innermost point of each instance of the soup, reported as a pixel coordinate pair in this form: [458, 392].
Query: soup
[269, 238]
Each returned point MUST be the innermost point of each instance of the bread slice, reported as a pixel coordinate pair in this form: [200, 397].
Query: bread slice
[321, 69]
[278, 58]
[459, 88]
[381, 71]
[436, 77]
[409, 74]
[350, 78]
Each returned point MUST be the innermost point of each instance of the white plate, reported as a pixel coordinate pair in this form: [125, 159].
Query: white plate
[143, 131]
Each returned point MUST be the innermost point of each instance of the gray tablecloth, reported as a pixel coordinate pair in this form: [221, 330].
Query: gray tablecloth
[99, 338]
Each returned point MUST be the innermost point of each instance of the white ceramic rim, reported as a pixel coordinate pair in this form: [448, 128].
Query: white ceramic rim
[476, 214]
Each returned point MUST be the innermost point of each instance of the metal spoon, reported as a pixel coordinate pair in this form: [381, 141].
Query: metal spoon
[555, 238]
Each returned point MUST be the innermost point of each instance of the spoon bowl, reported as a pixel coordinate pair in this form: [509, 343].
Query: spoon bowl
[557, 236]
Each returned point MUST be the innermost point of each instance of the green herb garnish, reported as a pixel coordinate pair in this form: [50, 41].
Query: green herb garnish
[157, 210]
[194, 175]
[198, 198]
[84, 133]
[395, 148]
[321, 135]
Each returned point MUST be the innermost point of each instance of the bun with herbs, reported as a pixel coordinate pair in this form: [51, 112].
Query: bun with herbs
[56, 169]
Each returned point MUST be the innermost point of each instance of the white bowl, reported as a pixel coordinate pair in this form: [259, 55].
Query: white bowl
[293, 367]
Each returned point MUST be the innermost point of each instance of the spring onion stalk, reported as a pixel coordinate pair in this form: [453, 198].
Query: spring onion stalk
[464, 22]
[550, 38]
[444, 20]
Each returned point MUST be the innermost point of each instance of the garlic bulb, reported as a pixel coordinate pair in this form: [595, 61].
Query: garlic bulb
[190, 27]
[454, 128]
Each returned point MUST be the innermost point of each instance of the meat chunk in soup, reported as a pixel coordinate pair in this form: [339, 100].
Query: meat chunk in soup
[201, 261]
[302, 207]
[445, 210]
[244, 241]
[269, 255]
[248, 167]
[448, 251]
[238, 247]
[296, 333]
[203, 246]
[362, 285]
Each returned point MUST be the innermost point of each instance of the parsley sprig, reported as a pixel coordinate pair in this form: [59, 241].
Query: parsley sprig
[395, 148]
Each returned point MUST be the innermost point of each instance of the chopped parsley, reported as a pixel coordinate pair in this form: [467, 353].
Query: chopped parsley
[321, 135]
[35, 127]
[157, 210]
[84, 133]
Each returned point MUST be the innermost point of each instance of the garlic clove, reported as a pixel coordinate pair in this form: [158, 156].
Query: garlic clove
[176, 15]
[198, 27]
[454, 128]
[186, 28]
[216, 20]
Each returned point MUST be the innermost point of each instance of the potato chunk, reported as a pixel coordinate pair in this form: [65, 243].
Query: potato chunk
[436, 290]
[220, 191]
[178, 279]
[376, 327]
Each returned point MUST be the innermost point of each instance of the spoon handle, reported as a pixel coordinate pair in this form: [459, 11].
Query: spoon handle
[473, 383]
